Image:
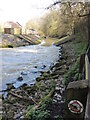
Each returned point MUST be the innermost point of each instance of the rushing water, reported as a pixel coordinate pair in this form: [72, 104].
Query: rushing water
[29, 59]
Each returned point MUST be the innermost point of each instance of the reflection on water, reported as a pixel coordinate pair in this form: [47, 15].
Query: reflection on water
[29, 60]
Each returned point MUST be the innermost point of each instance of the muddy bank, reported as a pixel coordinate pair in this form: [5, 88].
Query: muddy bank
[17, 101]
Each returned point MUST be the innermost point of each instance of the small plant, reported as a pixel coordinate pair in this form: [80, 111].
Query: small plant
[58, 117]
[72, 72]
[76, 76]
[41, 113]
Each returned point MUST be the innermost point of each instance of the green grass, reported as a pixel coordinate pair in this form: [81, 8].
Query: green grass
[72, 73]
[79, 47]
[41, 113]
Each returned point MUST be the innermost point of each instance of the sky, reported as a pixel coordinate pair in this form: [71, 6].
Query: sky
[22, 10]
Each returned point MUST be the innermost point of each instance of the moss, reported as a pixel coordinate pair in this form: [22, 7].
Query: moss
[61, 39]
[7, 46]
[38, 41]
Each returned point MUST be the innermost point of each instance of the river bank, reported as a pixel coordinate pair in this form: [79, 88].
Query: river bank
[16, 98]
[45, 99]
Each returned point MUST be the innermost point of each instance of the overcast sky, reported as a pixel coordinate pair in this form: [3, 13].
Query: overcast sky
[22, 10]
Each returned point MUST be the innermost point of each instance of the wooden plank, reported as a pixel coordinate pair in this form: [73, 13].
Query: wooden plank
[23, 37]
[71, 38]
[87, 69]
[87, 112]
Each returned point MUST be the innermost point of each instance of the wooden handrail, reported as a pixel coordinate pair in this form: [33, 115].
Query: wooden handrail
[87, 60]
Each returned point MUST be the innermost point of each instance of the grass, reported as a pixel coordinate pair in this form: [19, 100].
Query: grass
[73, 74]
[39, 111]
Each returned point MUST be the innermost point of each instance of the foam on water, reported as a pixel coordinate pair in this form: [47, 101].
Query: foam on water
[28, 59]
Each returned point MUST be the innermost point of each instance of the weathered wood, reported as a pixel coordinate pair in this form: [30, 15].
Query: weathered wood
[82, 63]
[30, 100]
[87, 112]
[76, 90]
[26, 39]
[71, 38]
[82, 84]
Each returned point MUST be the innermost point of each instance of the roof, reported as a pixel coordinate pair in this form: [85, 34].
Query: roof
[10, 24]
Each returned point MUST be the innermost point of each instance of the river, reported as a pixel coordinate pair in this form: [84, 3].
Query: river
[27, 61]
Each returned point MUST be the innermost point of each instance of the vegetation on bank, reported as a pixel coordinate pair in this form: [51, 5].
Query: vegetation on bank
[80, 48]
[39, 111]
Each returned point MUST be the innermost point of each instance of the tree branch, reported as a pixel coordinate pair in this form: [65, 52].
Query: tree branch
[55, 3]
[23, 98]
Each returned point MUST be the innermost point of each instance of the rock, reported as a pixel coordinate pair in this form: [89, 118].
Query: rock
[62, 101]
[11, 98]
[41, 72]
[55, 101]
[22, 118]
[23, 73]
[10, 86]
[10, 46]
[17, 116]
[24, 85]
[40, 78]
[20, 78]
[36, 94]
[58, 68]
[43, 66]
[57, 64]
[55, 77]
[35, 66]
[57, 96]
[59, 72]
[57, 88]
[10, 114]
[34, 72]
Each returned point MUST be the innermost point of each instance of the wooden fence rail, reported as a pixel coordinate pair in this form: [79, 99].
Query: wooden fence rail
[87, 60]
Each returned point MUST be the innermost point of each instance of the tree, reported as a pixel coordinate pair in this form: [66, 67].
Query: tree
[65, 18]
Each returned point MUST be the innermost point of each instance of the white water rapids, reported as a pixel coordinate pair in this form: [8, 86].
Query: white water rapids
[29, 60]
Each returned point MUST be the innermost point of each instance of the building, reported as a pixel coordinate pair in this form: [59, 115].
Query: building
[12, 28]
[31, 31]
